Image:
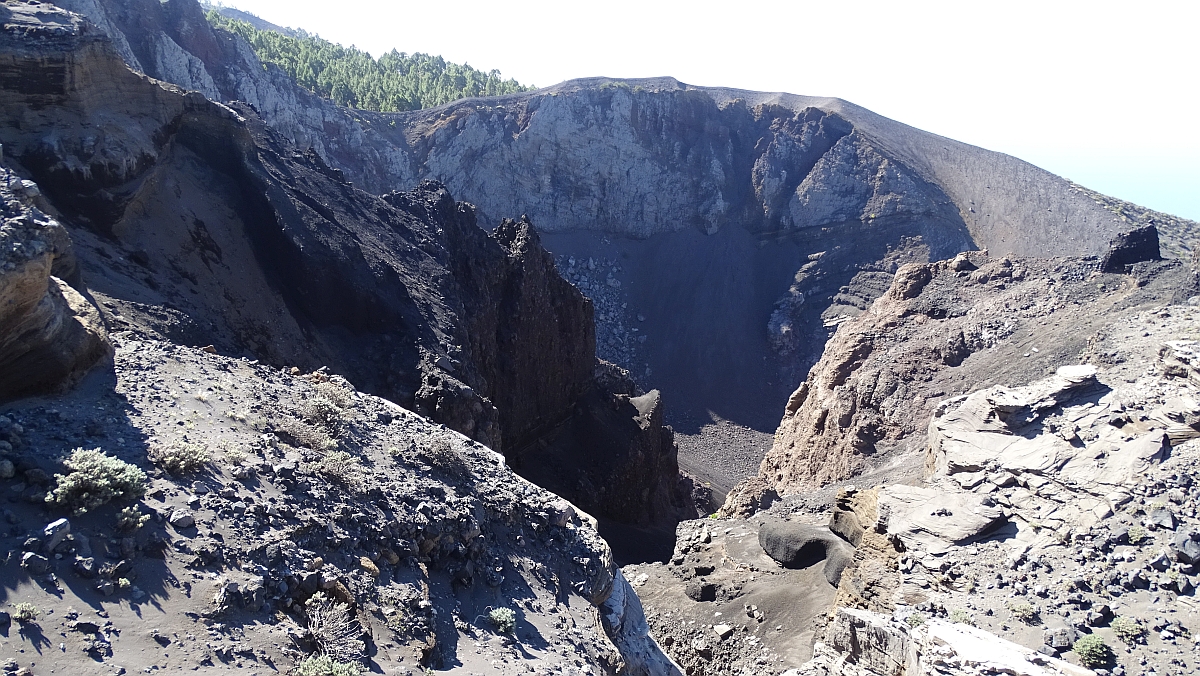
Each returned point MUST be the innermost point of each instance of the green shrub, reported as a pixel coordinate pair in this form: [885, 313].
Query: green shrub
[25, 613]
[180, 459]
[503, 619]
[131, 519]
[324, 665]
[95, 479]
[915, 620]
[961, 616]
[1092, 651]
[1137, 534]
[1128, 629]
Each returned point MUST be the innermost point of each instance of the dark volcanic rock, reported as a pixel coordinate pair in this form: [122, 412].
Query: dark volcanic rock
[798, 545]
[1136, 246]
[615, 459]
[821, 199]
[277, 257]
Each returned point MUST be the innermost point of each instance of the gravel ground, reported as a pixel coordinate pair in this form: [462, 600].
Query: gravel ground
[722, 454]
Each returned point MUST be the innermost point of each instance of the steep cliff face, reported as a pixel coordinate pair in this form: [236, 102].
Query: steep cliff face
[943, 329]
[172, 41]
[273, 255]
[748, 225]
[196, 222]
[639, 156]
[665, 157]
[51, 333]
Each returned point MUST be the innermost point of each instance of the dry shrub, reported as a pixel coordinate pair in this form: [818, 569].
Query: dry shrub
[441, 454]
[339, 467]
[301, 433]
[334, 631]
[181, 458]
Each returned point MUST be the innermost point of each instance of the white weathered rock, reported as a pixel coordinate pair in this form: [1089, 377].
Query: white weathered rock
[934, 519]
[182, 518]
[626, 626]
[56, 532]
[862, 643]
[1181, 359]
[175, 65]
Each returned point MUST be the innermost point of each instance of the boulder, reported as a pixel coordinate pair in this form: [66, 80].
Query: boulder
[798, 545]
[1059, 638]
[1186, 547]
[871, 642]
[866, 643]
[1135, 246]
[1181, 359]
[49, 333]
[35, 564]
[55, 532]
[1163, 518]
[182, 518]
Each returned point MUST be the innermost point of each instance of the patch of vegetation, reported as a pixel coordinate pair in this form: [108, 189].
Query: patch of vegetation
[503, 619]
[25, 613]
[95, 479]
[324, 665]
[1025, 612]
[351, 77]
[1137, 534]
[915, 620]
[339, 467]
[960, 616]
[236, 456]
[302, 434]
[1092, 651]
[1128, 629]
[321, 412]
[180, 459]
[441, 455]
[333, 630]
[335, 393]
[131, 519]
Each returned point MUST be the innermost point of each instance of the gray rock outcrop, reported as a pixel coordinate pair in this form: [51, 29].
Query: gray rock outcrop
[862, 643]
[51, 333]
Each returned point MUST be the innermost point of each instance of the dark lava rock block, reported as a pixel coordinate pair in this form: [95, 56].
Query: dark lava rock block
[798, 545]
[1127, 248]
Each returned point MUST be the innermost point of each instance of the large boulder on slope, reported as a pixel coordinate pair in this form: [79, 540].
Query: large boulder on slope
[798, 545]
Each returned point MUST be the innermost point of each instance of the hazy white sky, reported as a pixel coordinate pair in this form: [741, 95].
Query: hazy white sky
[1101, 92]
